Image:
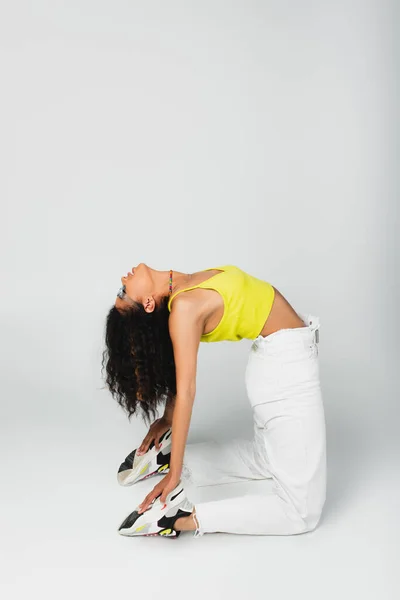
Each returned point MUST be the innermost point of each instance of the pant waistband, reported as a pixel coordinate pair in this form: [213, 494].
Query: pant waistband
[293, 336]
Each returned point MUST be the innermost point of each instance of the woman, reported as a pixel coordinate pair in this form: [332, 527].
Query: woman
[152, 338]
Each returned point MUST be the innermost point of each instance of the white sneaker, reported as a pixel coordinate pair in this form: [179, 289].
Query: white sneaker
[136, 468]
[159, 519]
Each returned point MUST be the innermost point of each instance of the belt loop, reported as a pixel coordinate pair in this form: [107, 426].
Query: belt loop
[257, 345]
[314, 326]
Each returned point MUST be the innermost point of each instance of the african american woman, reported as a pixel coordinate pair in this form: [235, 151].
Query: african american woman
[152, 336]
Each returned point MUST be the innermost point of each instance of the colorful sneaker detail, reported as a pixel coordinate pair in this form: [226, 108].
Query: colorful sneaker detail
[136, 468]
[158, 519]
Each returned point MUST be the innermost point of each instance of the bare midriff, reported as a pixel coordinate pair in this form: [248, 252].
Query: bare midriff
[281, 316]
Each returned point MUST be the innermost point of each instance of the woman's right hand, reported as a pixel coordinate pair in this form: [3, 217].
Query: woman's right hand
[156, 430]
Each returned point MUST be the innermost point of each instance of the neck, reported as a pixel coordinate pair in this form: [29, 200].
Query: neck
[179, 281]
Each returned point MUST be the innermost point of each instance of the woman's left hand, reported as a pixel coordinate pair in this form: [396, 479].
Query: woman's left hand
[165, 486]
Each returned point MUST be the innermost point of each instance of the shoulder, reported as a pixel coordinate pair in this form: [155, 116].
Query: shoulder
[186, 310]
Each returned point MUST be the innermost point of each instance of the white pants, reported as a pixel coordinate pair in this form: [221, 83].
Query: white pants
[288, 445]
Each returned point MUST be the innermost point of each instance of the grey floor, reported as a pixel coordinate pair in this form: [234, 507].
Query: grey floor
[61, 507]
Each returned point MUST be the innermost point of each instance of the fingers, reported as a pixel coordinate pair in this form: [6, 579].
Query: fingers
[151, 435]
[144, 446]
[143, 507]
[148, 500]
[161, 490]
[155, 493]
[147, 441]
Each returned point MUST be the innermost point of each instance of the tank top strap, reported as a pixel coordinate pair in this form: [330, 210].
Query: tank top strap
[220, 268]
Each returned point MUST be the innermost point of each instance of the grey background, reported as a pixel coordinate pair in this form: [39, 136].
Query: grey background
[188, 135]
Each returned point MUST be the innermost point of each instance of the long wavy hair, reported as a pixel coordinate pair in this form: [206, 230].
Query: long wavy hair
[139, 359]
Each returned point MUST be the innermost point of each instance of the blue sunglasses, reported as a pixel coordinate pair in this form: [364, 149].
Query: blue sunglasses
[121, 292]
[123, 295]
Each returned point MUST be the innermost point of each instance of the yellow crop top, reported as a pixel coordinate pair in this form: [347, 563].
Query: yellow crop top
[247, 304]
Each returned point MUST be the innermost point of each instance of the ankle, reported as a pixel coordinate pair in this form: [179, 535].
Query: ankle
[185, 523]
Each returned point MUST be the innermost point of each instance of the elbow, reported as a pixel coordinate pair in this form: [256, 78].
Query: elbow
[186, 394]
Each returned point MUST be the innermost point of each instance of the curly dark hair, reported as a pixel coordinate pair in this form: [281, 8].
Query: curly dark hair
[139, 358]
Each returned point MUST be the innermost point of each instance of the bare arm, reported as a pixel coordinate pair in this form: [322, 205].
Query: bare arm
[169, 410]
[186, 327]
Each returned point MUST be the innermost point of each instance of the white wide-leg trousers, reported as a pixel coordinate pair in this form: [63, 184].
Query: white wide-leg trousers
[288, 445]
